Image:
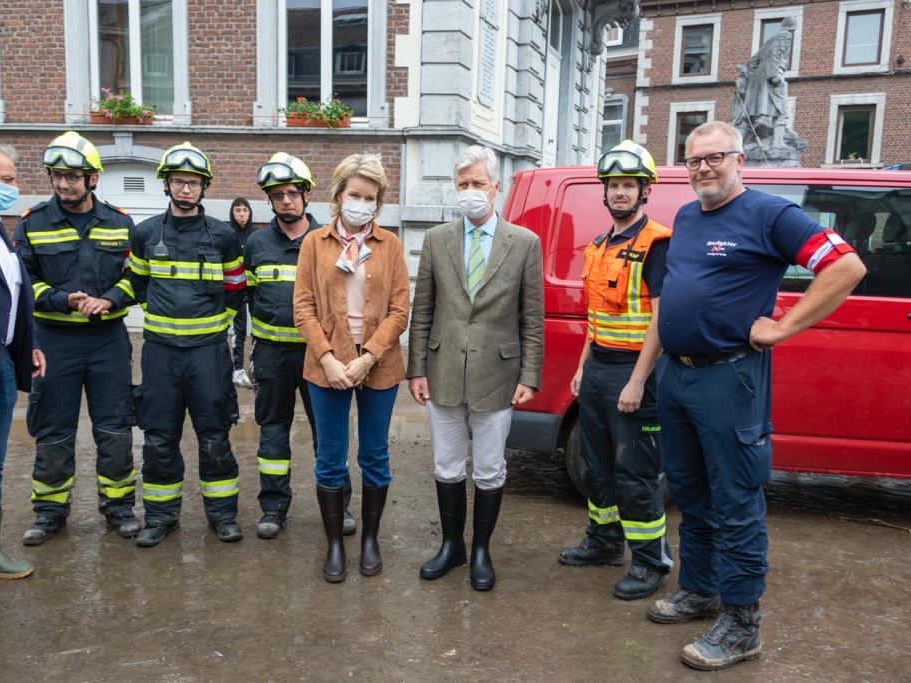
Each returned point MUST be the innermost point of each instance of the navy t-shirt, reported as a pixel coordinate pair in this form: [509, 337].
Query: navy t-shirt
[724, 268]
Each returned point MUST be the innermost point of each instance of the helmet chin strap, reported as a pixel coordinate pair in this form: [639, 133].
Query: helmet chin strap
[73, 203]
[183, 204]
[620, 214]
[289, 217]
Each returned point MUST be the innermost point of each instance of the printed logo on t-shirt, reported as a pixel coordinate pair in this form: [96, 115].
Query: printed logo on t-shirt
[719, 247]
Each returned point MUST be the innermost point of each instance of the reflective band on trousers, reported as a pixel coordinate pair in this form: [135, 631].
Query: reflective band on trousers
[277, 468]
[609, 515]
[37, 238]
[275, 332]
[161, 493]
[179, 327]
[110, 488]
[644, 531]
[52, 494]
[220, 489]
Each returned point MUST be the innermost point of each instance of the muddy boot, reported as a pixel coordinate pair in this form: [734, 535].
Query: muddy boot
[451, 500]
[734, 637]
[270, 524]
[13, 569]
[124, 522]
[684, 606]
[43, 528]
[153, 533]
[227, 531]
[373, 500]
[593, 551]
[332, 509]
[640, 582]
[486, 511]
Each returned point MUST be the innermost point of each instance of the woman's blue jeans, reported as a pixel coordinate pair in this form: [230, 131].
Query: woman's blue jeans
[331, 408]
[7, 403]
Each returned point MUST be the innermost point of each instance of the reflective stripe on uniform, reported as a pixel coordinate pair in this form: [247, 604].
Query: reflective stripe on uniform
[77, 317]
[275, 273]
[39, 288]
[41, 492]
[275, 332]
[608, 515]
[117, 489]
[605, 328]
[277, 468]
[161, 493]
[140, 266]
[181, 327]
[125, 286]
[644, 531]
[224, 488]
[109, 234]
[39, 237]
[186, 270]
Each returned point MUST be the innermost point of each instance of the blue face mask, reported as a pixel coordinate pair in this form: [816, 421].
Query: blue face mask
[8, 196]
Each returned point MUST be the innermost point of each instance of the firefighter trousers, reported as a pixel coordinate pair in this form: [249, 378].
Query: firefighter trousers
[177, 380]
[623, 458]
[98, 360]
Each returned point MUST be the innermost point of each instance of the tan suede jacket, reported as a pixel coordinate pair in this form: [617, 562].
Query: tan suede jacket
[321, 306]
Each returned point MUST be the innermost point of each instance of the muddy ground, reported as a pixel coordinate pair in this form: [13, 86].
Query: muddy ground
[192, 609]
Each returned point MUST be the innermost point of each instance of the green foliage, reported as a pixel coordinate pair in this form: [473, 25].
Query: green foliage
[122, 105]
[331, 114]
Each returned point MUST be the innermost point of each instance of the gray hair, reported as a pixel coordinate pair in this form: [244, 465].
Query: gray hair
[475, 154]
[709, 127]
[9, 152]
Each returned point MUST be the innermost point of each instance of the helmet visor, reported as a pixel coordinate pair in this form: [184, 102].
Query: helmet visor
[275, 173]
[65, 157]
[623, 162]
[186, 159]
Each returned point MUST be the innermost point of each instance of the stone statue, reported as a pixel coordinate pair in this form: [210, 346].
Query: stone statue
[760, 110]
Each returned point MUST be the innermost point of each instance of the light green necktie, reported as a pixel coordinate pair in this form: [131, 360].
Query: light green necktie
[475, 263]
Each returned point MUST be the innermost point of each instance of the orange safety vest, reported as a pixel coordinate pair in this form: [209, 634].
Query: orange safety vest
[619, 305]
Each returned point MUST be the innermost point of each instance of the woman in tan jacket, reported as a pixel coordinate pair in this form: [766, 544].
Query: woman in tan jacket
[351, 305]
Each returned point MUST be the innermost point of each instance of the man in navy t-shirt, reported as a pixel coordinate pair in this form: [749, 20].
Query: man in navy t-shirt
[726, 259]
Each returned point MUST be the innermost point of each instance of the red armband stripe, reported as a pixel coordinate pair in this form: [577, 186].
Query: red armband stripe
[821, 250]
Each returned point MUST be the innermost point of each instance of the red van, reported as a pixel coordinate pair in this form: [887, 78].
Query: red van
[842, 390]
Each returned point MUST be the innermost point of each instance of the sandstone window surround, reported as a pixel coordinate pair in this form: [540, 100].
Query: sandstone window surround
[682, 119]
[863, 37]
[855, 129]
[696, 43]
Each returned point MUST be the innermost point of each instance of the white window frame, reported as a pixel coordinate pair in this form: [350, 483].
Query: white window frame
[844, 8]
[80, 19]
[796, 13]
[272, 62]
[613, 36]
[613, 99]
[697, 20]
[708, 106]
[835, 101]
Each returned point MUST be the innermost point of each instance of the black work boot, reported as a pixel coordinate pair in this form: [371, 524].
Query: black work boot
[641, 581]
[10, 568]
[332, 509]
[153, 533]
[43, 528]
[373, 500]
[486, 511]
[593, 551]
[228, 530]
[124, 522]
[270, 524]
[734, 637]
[684, 606]
[451, 501]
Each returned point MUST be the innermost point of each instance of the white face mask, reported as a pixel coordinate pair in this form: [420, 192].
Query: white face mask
[473, 203]
[355, 214]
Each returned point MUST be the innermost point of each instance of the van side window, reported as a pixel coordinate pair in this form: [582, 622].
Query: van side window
[875, 221]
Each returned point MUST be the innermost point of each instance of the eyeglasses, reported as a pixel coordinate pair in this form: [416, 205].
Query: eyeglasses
[713, 160]
[625, 162]
[193, 184]
[185, 158]
[280, 195]
[64, 157]
[71, 177]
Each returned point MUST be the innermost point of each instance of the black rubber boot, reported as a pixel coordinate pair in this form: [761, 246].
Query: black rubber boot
[349, 527]
[373, 500]
[486, 511]
[734, 637]
[332, 509]
[451, 501]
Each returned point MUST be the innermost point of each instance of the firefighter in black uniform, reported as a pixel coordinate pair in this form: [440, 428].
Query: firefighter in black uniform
[74, 247]
[277, 358]
[188, 274]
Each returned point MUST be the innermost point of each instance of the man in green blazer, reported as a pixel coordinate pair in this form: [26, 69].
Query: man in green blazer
[475, 350]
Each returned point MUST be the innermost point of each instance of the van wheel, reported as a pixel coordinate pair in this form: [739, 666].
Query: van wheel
[575, 464]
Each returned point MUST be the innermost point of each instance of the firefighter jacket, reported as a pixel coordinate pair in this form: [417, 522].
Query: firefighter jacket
[62, 259]
[270, 260]
[188, 275]
[619, 304]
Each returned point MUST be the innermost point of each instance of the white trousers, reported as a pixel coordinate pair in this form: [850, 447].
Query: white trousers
[451, 432]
